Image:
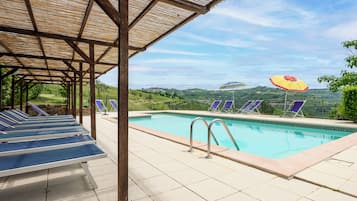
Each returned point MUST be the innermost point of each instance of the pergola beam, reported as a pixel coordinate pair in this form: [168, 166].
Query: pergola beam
[50, 58]
[187, 5]
[63, 37]
[78, 50]
[34, 25]
[110, 10]
[37, 68]
[71, 67]
[84, 21]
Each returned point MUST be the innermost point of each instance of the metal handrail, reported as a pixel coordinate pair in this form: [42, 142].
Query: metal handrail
[209, 136]
[191, 131]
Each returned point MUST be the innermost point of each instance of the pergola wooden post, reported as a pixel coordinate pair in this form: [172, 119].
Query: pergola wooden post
[68, 97]
[0, 90]
[74, 96]
[27, 98]
[21, 95]
[81, 93]
[92, 90]
[12, 91]
[123, 101]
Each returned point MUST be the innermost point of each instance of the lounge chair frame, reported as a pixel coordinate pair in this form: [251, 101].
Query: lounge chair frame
[216, 108]
[113, 105]
[230, 109]
[299, 113]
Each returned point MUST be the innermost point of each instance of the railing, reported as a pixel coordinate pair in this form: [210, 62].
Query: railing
[191, 131]
[209, 136]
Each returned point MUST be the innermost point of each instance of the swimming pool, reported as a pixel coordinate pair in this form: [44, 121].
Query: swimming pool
[269, 140]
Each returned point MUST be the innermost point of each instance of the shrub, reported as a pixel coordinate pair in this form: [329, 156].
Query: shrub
[349, 101]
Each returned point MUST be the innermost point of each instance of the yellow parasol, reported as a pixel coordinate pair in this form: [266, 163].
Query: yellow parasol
[289, 83]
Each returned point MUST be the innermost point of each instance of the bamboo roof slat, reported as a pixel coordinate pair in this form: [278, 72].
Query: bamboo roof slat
[33, 62]
[98, 50]
[56, 48]
[20, 44]
[6, 60]
[19, 16]
[56, 64]
[56, 16]
[106, 30]
[201, 2]
[147, 30]
[135, 7]
[65, 25]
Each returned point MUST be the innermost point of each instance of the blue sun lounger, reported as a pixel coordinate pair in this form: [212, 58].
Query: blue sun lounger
[100, 105]
[215, 105]
[253, 107]
[16, 148]
[227, 106]
[114, 104]
[35, 160]
[296, 108]
[8, 136]
[27, 116]
[13, 125]
[246, 105]
[20, 120]
[38, 110]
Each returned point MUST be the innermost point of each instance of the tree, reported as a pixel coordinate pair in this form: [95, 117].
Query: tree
[348, 83]
[347, 78]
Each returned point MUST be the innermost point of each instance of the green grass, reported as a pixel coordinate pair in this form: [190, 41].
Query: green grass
[49, 99]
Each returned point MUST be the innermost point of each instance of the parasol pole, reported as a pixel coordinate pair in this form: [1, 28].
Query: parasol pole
[234, 103]
[286, 97]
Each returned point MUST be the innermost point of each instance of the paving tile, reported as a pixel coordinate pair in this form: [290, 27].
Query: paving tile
[32, 192]
[187, 176]
[337, 169]
[178, 194]
[158, 184]
[145, 199]
[108, 194]
[211, 189]
[238, 197]
[329, 195]
[347, 155]
[27, 179]
[106, 180]
[241, 180]
[171, 166]
[304, 199]
[294, 186]
[144, 172]
[268, 192]
[321, 178]
[135, 193]
[68, 188]
[350, 187]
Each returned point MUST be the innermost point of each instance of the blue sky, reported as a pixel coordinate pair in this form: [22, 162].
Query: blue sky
[249, 41]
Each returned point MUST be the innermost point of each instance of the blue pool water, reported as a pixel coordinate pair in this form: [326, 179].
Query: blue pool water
[262, 139]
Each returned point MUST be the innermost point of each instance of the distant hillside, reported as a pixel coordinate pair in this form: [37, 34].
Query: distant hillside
[319, 101]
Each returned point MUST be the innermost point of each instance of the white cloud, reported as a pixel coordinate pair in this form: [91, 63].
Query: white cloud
[233, 42]
[175, 52]
[274, 14]
[344, 31]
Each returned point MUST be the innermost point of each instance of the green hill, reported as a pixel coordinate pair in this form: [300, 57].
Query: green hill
[320, 102]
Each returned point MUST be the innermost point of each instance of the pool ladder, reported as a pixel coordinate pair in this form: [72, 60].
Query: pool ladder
[210, 133]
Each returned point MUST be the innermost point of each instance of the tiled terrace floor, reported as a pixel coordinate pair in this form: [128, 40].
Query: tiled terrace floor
[161, 170]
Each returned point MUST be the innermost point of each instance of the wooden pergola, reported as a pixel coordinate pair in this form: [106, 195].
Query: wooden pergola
[70, 42]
